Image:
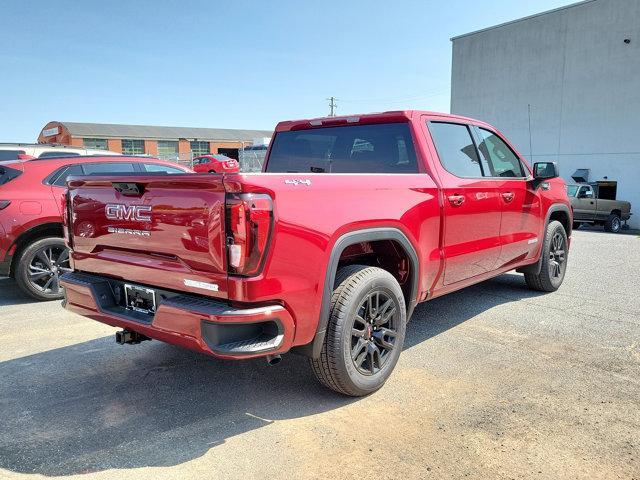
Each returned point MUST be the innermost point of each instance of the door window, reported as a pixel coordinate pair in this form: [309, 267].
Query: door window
[585, 192]
[456, 149]
[502, 161]
[107, 168]
[155, 168]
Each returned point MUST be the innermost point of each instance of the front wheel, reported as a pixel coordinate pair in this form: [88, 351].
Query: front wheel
[365, 334]
[39, 267]
[554, 260]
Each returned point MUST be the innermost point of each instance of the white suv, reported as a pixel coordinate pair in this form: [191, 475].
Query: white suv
[10, 151]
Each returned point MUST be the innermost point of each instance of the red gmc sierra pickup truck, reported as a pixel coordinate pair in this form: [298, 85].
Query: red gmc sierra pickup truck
[326, 252]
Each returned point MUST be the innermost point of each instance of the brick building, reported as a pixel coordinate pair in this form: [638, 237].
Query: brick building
[170, 143]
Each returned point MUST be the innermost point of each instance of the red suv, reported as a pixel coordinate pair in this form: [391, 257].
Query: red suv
[32, 249]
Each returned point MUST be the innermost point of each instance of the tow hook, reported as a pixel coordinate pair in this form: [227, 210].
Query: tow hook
[273, 360]
[130, 337]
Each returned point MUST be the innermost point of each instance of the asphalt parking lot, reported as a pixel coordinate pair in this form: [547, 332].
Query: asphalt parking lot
[495, 382]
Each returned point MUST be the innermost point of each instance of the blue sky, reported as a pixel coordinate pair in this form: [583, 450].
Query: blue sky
[229, 64]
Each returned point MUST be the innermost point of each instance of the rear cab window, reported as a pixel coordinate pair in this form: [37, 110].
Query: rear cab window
[376, 148]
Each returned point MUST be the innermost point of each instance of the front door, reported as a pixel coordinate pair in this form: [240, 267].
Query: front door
[584, 206]
[519, 200]
[472, 208]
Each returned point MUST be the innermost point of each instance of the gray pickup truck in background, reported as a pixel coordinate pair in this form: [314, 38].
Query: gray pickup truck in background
[588, 208]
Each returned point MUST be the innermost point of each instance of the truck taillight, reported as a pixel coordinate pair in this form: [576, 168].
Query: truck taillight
[249, 220]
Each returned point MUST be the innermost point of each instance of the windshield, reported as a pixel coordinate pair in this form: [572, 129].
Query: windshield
[378, 148]
[572, 190]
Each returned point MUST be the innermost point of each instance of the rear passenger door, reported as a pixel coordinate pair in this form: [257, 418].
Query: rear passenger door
[472, 208]
[519, 200]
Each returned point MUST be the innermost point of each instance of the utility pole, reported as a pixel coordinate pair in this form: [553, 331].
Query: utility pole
[332, 106]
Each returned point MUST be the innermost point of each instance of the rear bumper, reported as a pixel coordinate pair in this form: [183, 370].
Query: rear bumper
[190, 321]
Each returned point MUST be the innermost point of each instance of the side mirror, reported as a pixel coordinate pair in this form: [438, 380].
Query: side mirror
[545, 170]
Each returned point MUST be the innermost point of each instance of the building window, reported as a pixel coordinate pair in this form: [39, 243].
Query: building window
[200, 148]
[167, 150]
[98, 143]
[132, 147]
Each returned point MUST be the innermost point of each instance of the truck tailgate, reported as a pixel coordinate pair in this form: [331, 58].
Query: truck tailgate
[165, 231]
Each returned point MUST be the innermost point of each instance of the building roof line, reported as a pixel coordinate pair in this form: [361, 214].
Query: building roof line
[529, 17]
[111, 130]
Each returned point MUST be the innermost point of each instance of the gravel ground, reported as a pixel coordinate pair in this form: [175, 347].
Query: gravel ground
[495, 382]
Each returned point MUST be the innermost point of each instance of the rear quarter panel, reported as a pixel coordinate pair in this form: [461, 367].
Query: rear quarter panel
[310, 218]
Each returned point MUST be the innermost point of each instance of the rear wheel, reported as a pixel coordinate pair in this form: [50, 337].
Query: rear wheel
[367, 323]
[554, 260]
[40, 266]
[613, 223]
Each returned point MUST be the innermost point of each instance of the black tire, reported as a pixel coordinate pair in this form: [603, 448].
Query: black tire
[362, 293]
[554, 260]
[576, 225]
[39, 266]
[613, 223]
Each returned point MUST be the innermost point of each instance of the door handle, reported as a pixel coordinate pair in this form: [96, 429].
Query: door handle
[456, 200]
[508, 196]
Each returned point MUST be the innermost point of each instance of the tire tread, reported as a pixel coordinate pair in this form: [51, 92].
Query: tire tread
[326, 367]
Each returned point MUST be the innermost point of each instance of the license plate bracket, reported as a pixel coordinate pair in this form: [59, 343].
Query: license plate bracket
[140, 299]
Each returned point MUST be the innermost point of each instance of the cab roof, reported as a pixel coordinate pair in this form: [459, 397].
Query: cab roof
[394, 116]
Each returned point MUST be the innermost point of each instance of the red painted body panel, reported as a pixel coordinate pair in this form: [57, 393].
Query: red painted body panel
[495, 227]
[34, 203]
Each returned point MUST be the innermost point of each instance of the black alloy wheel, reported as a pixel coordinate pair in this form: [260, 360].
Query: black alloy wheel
[557, 255]
[373, 333]
[40, 266]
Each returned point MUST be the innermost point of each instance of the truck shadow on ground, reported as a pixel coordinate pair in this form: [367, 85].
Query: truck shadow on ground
[95, 406]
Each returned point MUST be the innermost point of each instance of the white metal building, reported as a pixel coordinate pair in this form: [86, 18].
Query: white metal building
[563, 85]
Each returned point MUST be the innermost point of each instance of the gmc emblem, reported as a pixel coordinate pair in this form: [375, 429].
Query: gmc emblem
[136, 213]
